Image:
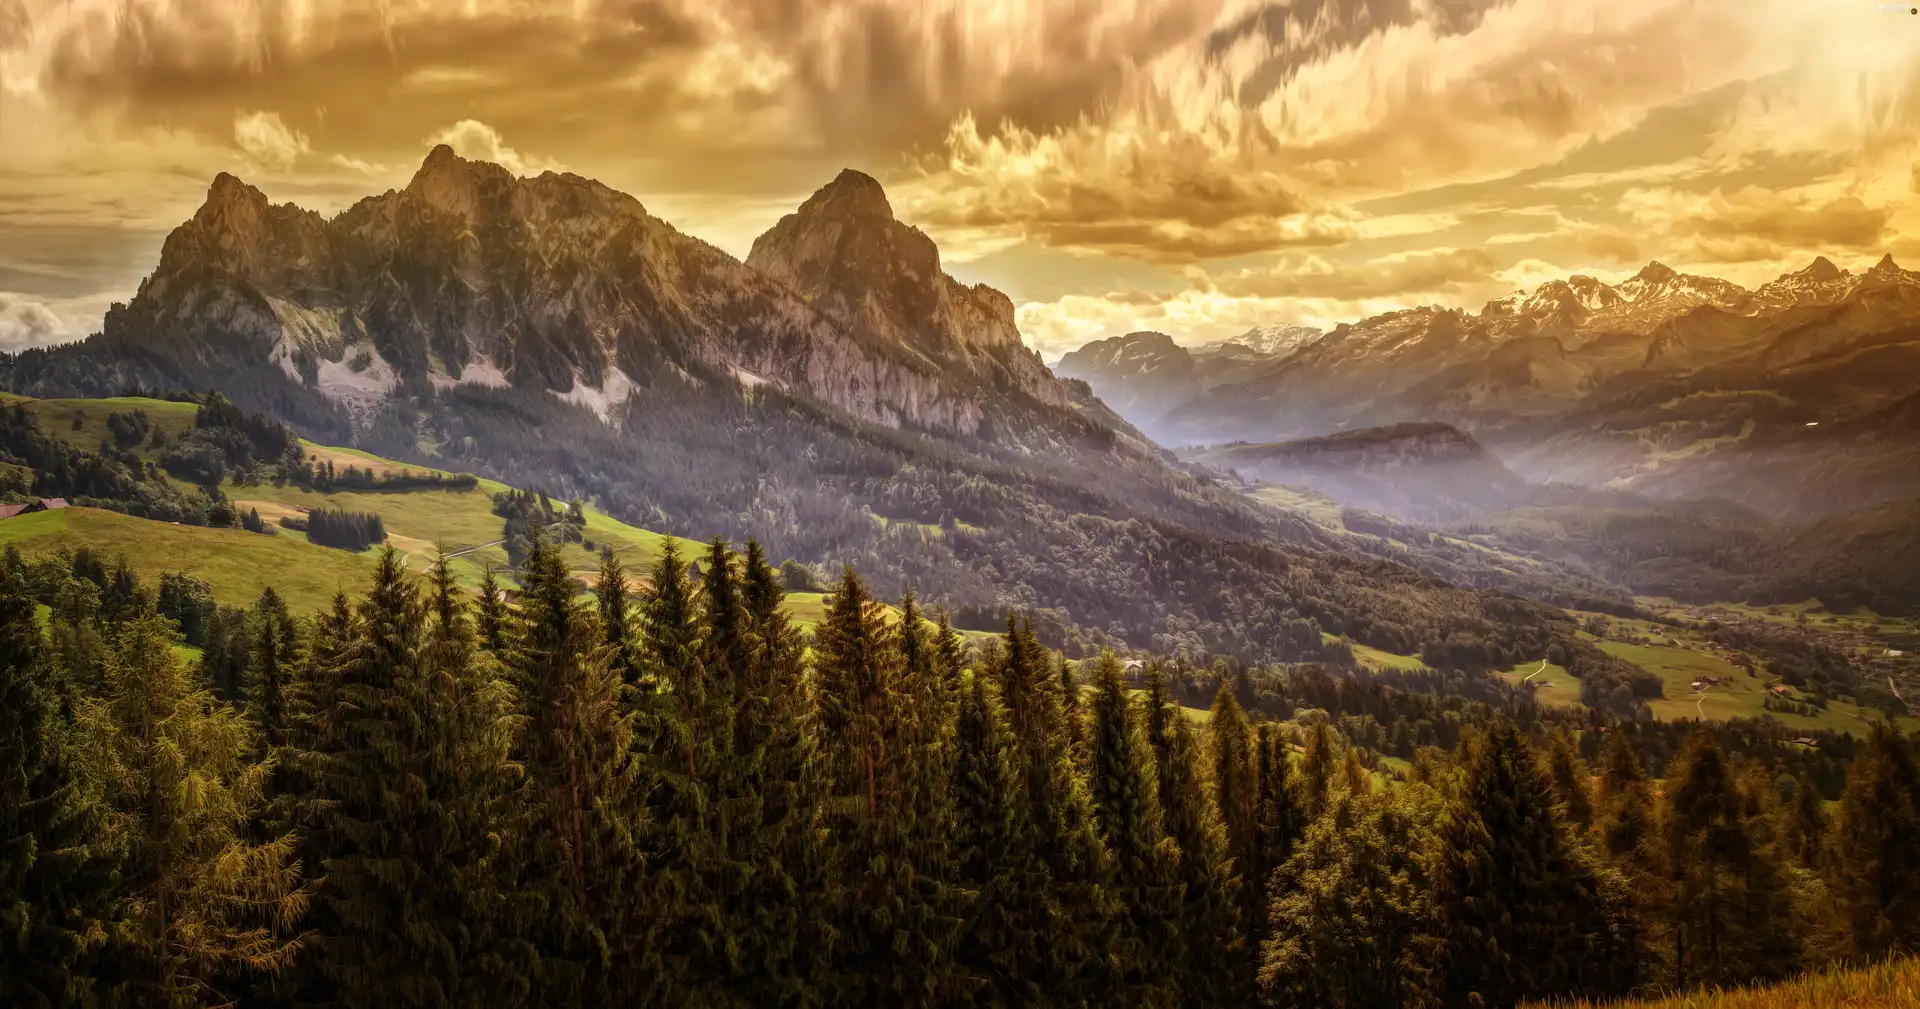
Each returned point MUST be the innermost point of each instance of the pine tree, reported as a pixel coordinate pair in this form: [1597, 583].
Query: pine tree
[1807, 826]
[57, 860]
[1729, 920]
[993, 855]
[1876, 847]
[410, 781]
[1072, 918]
[1279, 821]
[1626, 804]
[1145, 860]
[1570, 785]
[612, 596]
[490, 616]
[1216, 964]
[897, 910]
[771, 907]
[678, 728]
[205, 906]
[271, 667]
[1235, 782]
[1524, 913]
[576, 744]
[1316, 771]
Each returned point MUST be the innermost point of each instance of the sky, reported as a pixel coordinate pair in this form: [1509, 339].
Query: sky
[1192, 166]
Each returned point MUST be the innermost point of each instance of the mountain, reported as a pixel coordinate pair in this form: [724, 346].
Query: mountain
[1142, 375]
[1271, 341]
[1425, 473]
[1668, 383]
[1146, 375]
[836, 396]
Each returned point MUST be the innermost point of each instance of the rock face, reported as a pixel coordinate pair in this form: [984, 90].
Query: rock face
[559, 284]
[847, 256]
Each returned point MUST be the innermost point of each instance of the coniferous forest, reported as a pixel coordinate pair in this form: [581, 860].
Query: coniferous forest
[670, 794]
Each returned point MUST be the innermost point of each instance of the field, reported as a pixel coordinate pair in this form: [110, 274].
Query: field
[1893, 985]
[1553, 684]
[56, 417]
[425, 521]
[1737, 695]
[236, 563]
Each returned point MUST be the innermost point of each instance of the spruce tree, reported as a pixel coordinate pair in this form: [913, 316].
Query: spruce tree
[57, 859]
[1145, 861]
[575, 742]
[1216, 964]
[1316, 771]
[679, 731]
[1626, 804]
[1570, 784]
[490, 615]
[1073, 916]
[206, 908]
[271, 668]
[771, 906]
[1523, 911]
[1279, 820]
[411, 774]
[896, 906]
[614, 601]
[993, 855]
[1876, 847]
[1729, 920]
[1806, 827]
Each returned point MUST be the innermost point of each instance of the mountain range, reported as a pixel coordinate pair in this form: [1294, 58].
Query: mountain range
[836, 396]
[1801, 397]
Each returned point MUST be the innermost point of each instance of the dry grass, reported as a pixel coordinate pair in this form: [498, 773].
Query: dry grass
[1894, 984]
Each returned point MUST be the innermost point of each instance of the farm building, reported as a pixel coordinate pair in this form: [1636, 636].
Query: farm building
[40, 505]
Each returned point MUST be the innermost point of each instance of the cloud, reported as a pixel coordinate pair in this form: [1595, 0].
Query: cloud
[475, 140]
[1420, 274]
[26, 321]
[1159, 201]
[1752, 223]
[268, 142]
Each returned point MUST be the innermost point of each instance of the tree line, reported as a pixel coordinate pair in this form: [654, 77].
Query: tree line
[667, 794]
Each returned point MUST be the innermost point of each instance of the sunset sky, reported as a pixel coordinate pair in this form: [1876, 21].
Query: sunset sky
[1193, 166]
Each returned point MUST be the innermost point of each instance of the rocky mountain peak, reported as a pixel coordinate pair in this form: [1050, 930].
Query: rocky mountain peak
[1886, 267]
[1821, 270]
[850, 196]
[1656, 272]
[846, 254]
[452, 184]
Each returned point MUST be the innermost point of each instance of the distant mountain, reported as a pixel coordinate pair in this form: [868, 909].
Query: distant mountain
[1142, 375]
[1425, 473]
[1669, 383]
[1271, 341]
[837, 396]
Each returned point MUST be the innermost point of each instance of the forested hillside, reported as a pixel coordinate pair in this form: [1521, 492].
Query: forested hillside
[667, 795]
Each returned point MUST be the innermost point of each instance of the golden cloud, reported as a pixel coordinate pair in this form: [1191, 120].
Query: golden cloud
[1752, 223]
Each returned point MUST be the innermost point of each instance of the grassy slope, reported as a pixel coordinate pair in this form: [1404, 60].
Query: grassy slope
[1738, 695]
[239, 564]
[1890, 985]
[1554, 685]
[236, 563]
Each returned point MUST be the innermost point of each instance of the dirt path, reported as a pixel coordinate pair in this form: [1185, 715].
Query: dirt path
[467, 550]
[1537, 672]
